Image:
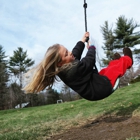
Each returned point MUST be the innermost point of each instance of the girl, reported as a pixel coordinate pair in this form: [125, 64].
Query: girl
[78, 73]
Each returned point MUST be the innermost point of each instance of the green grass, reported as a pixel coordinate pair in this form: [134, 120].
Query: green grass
[133, 139]
[38, 123]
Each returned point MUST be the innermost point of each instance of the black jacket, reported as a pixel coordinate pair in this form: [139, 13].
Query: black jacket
[83, 79]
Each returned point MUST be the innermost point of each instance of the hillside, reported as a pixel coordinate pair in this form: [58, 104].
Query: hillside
[38, 123]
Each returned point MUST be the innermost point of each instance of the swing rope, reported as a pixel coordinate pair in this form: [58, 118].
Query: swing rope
[85, 6]
[85, 14]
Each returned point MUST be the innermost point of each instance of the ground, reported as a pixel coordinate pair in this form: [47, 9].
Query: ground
[104, 128]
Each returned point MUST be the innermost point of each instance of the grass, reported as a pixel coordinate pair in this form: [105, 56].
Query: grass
[133, 139]
[38, 123]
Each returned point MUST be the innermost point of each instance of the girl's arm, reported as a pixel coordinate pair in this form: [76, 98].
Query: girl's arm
[78, 49]
[88, 62]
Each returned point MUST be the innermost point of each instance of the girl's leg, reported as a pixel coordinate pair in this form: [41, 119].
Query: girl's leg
[116, 68]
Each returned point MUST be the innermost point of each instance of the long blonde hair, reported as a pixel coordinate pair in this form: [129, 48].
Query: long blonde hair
[46, 71]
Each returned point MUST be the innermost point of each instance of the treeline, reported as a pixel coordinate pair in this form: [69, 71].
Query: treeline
[124, 34]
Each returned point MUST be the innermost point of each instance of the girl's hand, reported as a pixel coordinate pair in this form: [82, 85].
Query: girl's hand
[85, 37]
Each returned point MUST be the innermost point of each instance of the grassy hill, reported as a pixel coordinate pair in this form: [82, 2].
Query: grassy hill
[37, 123]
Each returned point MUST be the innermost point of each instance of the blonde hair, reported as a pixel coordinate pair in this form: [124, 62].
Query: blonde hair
[46, 71]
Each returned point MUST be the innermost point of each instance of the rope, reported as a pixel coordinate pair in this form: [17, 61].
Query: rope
[85, 6]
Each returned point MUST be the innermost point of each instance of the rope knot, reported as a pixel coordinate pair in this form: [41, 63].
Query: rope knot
[85, 5]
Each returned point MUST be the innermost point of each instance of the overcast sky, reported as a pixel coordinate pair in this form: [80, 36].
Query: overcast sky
[35, 25]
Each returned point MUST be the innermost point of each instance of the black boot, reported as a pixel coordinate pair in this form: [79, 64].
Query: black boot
[128, 52]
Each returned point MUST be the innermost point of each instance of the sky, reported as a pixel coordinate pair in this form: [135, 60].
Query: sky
[35, 25]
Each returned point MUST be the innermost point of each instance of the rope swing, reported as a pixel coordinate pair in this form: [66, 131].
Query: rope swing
[85, 6]
[85, 13]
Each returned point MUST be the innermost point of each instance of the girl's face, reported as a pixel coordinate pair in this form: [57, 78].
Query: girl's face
[66, 56]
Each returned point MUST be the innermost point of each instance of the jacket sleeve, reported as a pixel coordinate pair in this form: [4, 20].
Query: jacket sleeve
[87, 63]
[78, 50]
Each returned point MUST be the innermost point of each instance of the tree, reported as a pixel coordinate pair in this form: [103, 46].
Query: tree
[14, 94]
[109, 41]
[4, 77]
[66, 93]
[123, 35]
[52, 96]
[19, 64]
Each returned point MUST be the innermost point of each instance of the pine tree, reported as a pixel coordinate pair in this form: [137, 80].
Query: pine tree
[19, 64]
[4, 77]
[123, 35]
[108, 44]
